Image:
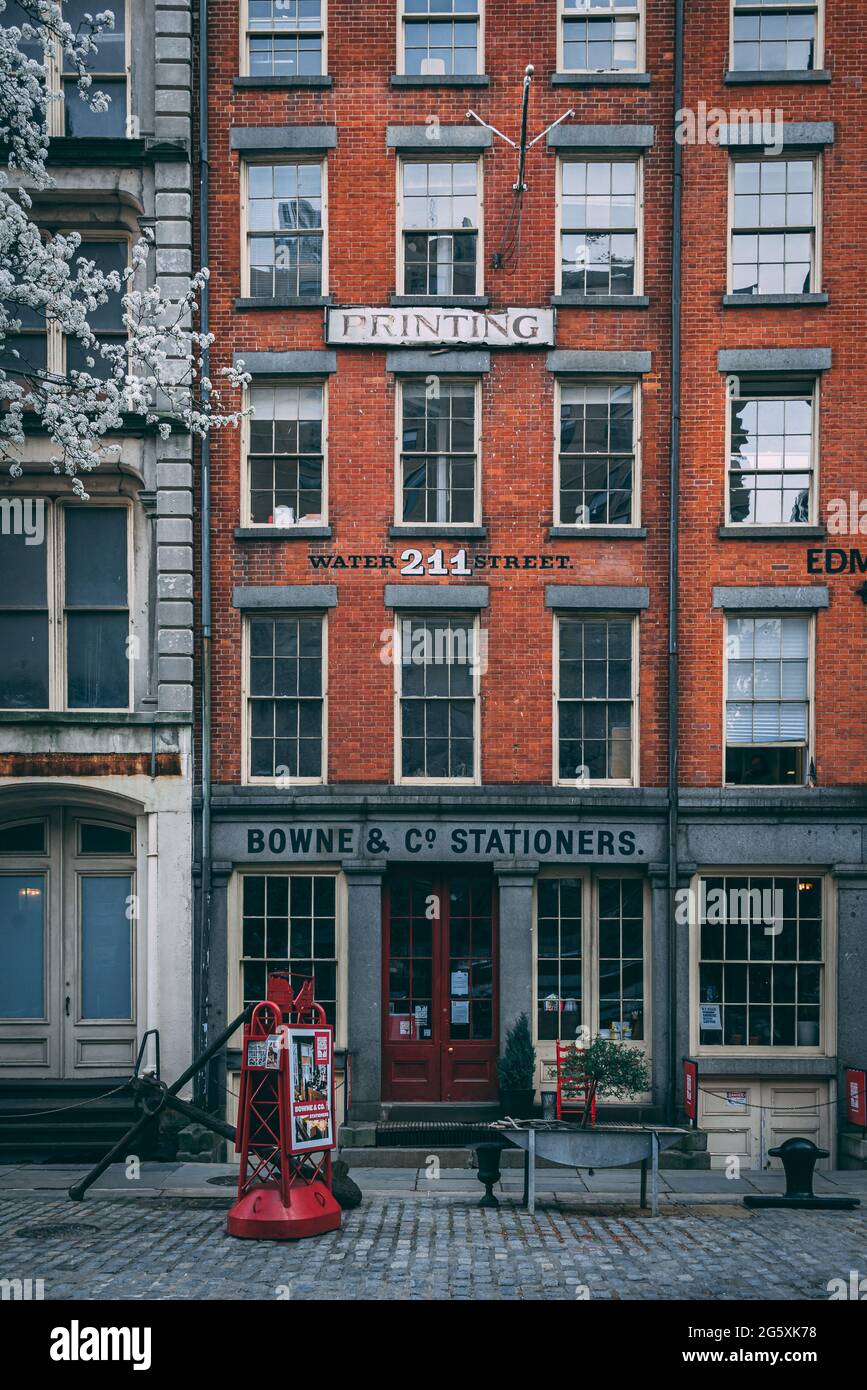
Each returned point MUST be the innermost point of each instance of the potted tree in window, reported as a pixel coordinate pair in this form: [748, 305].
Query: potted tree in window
[517, 1071]
[608, 1068]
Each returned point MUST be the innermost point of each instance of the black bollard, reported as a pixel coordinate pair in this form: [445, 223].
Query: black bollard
[488, 1159]
[799, 1157]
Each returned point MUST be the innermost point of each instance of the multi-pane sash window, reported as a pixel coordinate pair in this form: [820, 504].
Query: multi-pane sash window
[440, 227]
[558, 958]
[438, 451]
[41, 347]
[600, 35]
[595, 699]
[284, 230]
[599, 226]
[774, 35]
[597, 454]
[608, 999]
[289, 927]
[621, 958]
[767, 699]
[107, 67]
[438, 696]
[285, 459]
[440, 37]
[764, 971]
[285, 38]
[771, 458]
[286, 697]
[774, 228]
[64, 622]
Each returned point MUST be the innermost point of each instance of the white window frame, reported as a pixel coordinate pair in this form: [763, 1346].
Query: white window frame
[445, 158]
[610, 158]
[436, 528]
[272, 159]
[281, 779]
[244, 33]
[828, 1008]
[235, 895]
[246, 402]
[794, 526]
[590, 615]
[55, 509]
[761, 7]
[626, 9]
[56, 110]
[788, 156]
[403, 19]
[420, 613]
[810, 745]
[637, 395]
[588, 1018]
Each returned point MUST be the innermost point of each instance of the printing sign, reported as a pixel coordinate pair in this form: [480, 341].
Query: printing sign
[425, 326]
[856, 1098]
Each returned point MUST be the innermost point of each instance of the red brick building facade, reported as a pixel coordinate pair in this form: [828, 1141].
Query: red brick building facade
[447, 844]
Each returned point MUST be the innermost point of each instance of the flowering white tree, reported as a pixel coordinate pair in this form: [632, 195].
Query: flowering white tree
[155, 373]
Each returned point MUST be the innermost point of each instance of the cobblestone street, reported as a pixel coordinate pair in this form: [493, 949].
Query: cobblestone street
[400, 1246]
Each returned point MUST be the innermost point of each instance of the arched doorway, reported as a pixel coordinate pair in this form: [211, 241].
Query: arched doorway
[69, 917]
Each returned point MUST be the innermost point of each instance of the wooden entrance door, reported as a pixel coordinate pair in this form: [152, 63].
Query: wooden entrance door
[440, 988]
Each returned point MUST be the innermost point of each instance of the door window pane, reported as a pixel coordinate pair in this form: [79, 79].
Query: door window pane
[22, 945]
[106, 947]
[104, 839]
[289, 926]
[28, 838]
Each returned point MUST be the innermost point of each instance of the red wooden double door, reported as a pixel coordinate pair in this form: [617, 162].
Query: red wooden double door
[440, 987]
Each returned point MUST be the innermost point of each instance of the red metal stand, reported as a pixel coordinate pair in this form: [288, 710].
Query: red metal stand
[573, 1092]
[284, 1186]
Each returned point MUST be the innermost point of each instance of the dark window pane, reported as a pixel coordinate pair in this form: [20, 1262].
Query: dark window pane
[105, 839]
[23, 660]
[96, 660]
[23, 839]
[96, 556]
[81, 120]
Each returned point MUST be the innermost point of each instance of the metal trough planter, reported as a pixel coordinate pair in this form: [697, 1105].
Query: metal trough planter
[597, 1146]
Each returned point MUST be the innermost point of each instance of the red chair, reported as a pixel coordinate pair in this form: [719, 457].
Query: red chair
[574, 1092]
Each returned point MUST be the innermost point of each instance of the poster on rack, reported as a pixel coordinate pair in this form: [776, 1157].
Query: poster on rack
[311, 1097]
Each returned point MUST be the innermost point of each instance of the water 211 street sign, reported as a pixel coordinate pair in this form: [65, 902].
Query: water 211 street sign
[425, 326]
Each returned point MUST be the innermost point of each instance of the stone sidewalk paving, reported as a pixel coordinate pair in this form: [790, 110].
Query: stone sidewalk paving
[401, 1245]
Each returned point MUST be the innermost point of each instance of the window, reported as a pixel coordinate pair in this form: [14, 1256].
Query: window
[767, 700]
[439, 451]
[285, 231]
[286, 697]
[441, 37]
[41, 347]
[107, 67]
[764, 971]
[773, 226]
[590, 959]
[599, 227]
[285, 38]
[285, 453]
[597, 454]
[775, 35]
[438, 698]
[596, 699]
[289, 926]
[600, 36]
[440, 211]
[771, 452]
[65, 612]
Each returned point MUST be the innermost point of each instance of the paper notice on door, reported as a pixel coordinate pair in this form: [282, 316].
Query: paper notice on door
[460, 1011]
[460, 982]
[736, 1100]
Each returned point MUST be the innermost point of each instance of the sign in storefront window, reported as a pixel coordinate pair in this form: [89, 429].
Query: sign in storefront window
[290, 926]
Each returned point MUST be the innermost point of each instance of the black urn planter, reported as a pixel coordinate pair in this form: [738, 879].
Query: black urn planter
[488, 1163]
[518, 1104]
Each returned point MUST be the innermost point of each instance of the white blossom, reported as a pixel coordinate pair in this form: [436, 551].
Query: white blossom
[156, 374]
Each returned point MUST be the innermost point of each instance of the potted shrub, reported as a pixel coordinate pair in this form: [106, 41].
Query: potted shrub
[610, 1068]
[517, 1071]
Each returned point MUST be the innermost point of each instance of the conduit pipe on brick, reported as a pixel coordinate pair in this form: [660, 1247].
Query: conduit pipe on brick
[204, 1087]
[673, 562]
